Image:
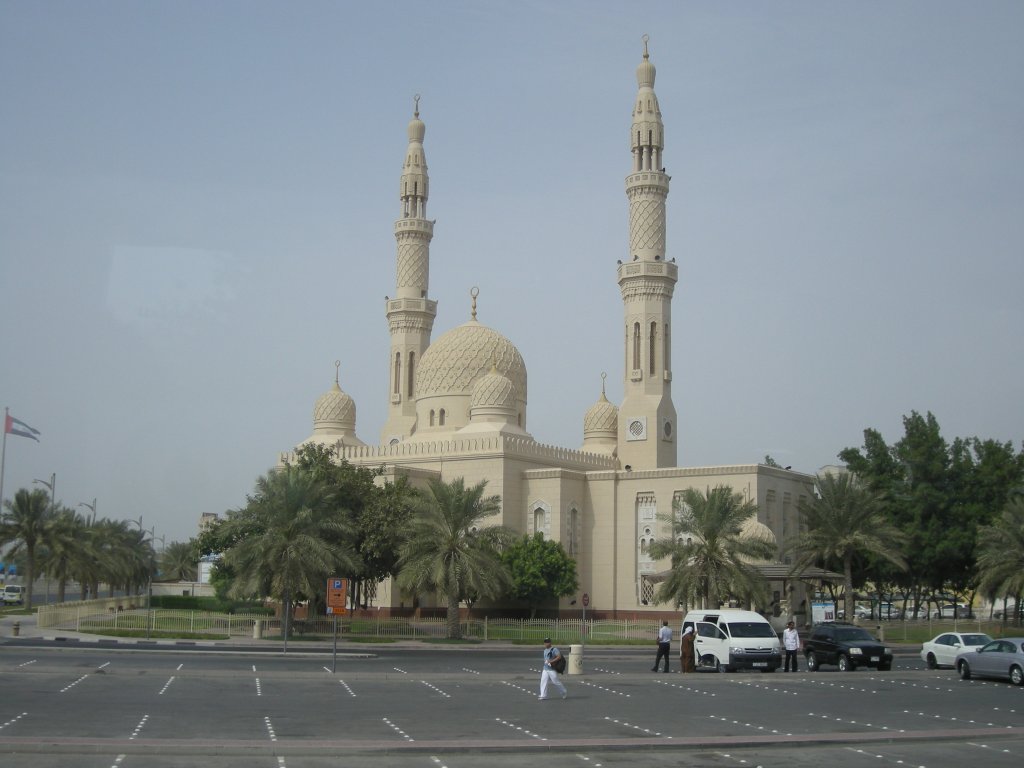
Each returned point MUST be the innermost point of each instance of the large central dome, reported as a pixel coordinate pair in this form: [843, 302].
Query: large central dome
[453, 363]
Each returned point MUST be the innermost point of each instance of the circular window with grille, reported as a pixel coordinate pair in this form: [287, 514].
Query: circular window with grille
[636, 428]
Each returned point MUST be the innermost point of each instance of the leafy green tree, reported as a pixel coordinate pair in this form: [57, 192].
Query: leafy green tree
[1001, 554]
[291, 538]
[179, 561]
[377, 512]
[843, 521]
[448, 549]
[711, 559]
[540, 570]
[25, 524]
[938, 494]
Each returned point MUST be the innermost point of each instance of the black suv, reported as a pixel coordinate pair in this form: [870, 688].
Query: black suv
[846, 646]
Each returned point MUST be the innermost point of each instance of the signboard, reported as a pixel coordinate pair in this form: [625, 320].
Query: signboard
[822, 611]
[337, 596]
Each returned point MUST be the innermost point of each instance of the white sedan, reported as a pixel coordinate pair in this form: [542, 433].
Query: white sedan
[941, 651]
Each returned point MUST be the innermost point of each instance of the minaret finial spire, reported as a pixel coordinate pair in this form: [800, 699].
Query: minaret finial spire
[645, 38]
[473, 292]
[416, 105]
[337, 368]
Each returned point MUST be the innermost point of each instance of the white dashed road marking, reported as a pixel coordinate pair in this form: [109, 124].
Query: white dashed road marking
[398, 730]
[520, 728]
[139, 727]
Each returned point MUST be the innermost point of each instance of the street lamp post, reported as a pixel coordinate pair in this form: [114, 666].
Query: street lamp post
[91, 507]
[52, 485]
[149, 574]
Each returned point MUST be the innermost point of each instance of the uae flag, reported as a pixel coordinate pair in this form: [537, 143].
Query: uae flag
[13, 426]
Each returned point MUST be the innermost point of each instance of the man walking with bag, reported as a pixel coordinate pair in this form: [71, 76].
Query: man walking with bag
[548, 673]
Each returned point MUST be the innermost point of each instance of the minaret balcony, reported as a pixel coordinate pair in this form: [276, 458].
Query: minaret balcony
[638, 268]
[658, 179]
[413, 224]
[423, 306]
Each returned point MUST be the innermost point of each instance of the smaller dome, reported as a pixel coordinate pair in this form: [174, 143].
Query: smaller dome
[645, 73]
[334, 411]
[493, 390]
[603, 416]
[755, 530]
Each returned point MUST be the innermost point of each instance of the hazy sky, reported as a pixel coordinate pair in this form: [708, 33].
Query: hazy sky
[197, 203]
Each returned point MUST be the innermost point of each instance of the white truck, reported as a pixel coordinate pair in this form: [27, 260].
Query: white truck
[729, 639]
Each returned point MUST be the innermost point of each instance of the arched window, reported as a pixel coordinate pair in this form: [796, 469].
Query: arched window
[665, 343]
[440, 418]
[574, 532]
[431, 417]
[636, 346]
[651, 344]
[412, 364]
[538, 521]
[398, 373]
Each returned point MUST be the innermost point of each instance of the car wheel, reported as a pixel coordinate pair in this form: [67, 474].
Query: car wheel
[932, 664]
[812, 662]
[1016, 675]
[723, 667]
[844, 663]
[964, 669]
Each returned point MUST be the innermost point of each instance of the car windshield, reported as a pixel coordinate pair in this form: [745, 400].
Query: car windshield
[976, 639]
[853, 633]
[750, 629]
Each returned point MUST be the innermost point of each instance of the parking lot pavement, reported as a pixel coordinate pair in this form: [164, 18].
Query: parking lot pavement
[469, 706]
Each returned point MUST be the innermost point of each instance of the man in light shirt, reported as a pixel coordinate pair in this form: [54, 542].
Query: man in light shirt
[664, 642]
[791, 642]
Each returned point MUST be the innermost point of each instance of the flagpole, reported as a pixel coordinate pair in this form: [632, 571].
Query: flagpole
[3, 458]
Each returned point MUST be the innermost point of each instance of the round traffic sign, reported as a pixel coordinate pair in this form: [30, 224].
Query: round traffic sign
[586, 599]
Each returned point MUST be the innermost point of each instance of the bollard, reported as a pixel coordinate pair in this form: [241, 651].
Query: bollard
[575, 665]
[881, 633]
[16, 629]
[257, 629]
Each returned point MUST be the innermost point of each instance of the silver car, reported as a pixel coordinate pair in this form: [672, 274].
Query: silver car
[1002, 659]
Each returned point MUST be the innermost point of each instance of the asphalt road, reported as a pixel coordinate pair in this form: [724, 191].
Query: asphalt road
[73, 705]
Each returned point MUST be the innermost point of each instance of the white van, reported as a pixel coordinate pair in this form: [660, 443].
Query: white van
[14, 594]
[730, 639]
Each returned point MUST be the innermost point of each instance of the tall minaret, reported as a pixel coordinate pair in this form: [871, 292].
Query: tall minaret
[410, 313]
[647, 418]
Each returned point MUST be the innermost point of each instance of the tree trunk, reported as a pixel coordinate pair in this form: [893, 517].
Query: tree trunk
[454, 628]
[848, 585]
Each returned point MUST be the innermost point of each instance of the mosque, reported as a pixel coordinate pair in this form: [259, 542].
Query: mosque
[457, 408]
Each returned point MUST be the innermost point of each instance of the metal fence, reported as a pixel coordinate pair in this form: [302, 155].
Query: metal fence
[111, 616]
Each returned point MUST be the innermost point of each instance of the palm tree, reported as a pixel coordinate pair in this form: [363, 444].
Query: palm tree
[843, 521]
[25, 524]
[448, 550]
[1001, 554]
[711, 558]
[179, 561]
[64, 542]
[291, 538]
